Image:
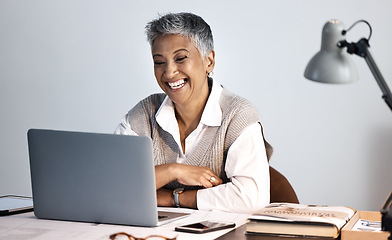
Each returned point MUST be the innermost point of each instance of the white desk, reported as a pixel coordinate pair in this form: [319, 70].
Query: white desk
[27, 226]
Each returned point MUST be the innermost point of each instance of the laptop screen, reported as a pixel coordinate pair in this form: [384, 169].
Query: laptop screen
[91, 177]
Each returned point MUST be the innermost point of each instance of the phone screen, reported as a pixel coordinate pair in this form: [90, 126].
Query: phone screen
[205, 226]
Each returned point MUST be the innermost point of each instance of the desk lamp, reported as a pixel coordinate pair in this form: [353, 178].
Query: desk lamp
[332, 65]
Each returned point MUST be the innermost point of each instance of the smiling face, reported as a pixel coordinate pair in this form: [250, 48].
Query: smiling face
[180, 70]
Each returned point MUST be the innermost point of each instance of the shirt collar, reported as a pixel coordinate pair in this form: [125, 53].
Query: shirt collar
[212, 114]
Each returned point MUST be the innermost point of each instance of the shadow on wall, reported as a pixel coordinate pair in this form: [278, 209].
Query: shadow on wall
[379, 174]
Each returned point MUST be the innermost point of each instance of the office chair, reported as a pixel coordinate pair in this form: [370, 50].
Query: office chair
[280, 188]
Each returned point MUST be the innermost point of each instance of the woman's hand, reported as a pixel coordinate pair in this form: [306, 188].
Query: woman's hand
[185, 174]
[196, 176]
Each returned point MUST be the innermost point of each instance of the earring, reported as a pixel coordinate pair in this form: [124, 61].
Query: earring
[210, 74]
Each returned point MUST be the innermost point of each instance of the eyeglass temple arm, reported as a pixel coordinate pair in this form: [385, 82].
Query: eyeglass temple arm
[361, 48]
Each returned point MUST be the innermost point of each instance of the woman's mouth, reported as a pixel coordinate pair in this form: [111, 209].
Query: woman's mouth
[177, 84]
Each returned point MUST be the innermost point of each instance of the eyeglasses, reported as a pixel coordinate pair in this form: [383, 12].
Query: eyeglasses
[126, 236]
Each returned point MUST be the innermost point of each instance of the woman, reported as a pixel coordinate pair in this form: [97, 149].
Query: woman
[209, 149]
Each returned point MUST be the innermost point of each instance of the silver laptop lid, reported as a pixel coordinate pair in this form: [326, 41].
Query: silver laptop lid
[92, 177]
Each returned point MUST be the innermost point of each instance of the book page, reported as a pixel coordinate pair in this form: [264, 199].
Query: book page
[336, 215]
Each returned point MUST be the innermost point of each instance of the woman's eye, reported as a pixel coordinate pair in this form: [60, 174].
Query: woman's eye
[158, 62]
[180, 59]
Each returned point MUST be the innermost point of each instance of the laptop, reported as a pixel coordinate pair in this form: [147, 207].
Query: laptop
[93, 177]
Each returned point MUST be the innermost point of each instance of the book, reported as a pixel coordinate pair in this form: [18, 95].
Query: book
[299, 220]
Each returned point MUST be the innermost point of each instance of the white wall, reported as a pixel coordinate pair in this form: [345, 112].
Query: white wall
[81, 65]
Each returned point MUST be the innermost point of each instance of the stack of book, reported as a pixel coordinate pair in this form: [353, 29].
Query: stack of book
[289, 219]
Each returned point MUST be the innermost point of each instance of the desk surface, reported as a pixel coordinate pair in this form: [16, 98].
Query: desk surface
[27, 226]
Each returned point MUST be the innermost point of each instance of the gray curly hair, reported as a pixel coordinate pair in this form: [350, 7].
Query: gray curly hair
[185, 24]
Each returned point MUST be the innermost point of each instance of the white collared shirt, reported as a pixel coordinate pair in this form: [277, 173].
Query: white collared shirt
[246, 164]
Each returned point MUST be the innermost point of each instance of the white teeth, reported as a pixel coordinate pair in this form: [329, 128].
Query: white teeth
[176, 85]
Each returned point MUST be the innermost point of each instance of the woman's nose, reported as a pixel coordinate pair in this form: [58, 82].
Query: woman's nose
[171, 70]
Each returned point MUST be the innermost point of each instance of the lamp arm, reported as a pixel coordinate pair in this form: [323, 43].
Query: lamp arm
[361, 48]
[387, 95]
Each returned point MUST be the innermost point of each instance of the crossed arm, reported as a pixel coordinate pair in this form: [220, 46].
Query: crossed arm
[246, 167]
[184, 174]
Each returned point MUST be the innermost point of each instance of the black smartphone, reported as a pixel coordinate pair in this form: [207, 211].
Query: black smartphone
[204, 227]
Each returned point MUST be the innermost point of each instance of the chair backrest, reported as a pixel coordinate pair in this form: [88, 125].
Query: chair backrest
[280, 188]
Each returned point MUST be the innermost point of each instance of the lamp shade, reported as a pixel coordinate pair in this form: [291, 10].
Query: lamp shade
[331, 64]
